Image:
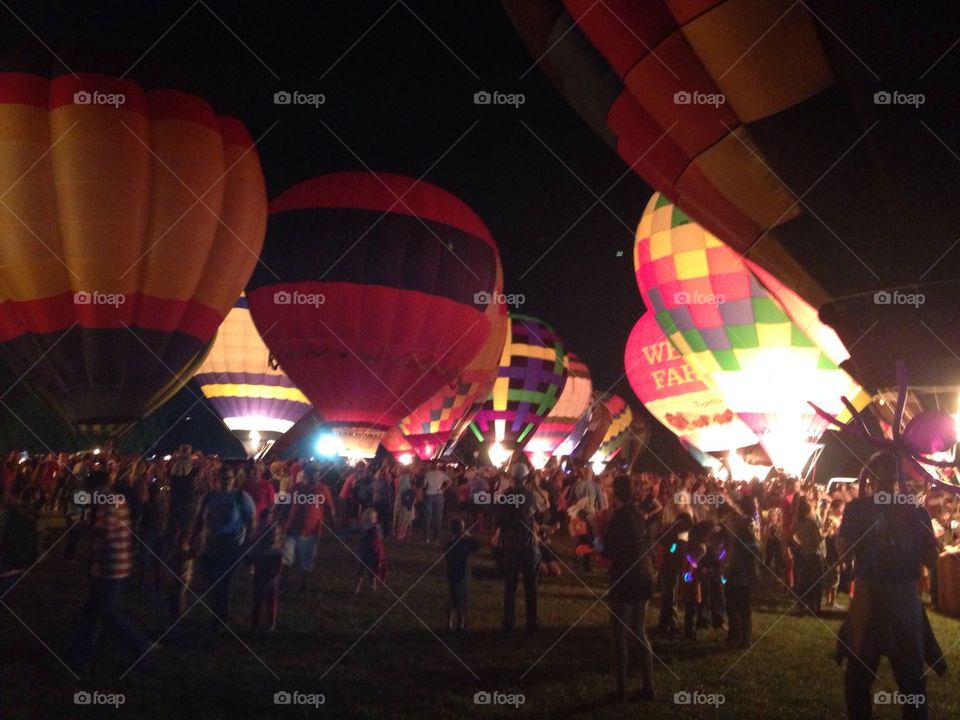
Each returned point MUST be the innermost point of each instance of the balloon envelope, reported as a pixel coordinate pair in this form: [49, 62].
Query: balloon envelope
[441, 420]
[256, 401]
[371, 296]
[127, 231]
[529, 383]
[671, 390]
[737, 336]
[562, 420]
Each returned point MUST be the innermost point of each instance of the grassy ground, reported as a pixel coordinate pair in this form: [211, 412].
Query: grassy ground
[379, 657]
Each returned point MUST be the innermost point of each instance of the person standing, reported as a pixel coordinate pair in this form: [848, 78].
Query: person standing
[382, 498]
[308, 506]
[182, 479]
[227, 514]
[435, 483]
[808, 543]
[111, 563]
[742, 571]
[890, 543]
[520, 544]
[405, 496]
[627, 545]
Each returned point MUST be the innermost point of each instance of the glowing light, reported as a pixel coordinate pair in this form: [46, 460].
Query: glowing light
[328, 445]
[499, 454]
[539, 460]
[254, 437]
[597, 464]
[168, 458]
[96, 451]
[405, 458]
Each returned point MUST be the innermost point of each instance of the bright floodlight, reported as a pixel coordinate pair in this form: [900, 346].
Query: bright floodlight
[254, 437]
[498, 454]
[405, 458]
[328, 445]
[96, 451]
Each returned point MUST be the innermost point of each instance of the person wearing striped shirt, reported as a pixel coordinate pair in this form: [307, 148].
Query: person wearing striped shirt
[111, 563]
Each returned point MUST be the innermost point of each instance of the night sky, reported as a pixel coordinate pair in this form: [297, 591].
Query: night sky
[399, 82]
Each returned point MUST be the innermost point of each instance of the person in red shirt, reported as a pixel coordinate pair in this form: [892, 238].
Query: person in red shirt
[261, 490]
[787, 518]
[309, 503]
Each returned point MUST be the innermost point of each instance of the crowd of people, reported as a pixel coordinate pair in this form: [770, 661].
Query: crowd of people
[184, 524]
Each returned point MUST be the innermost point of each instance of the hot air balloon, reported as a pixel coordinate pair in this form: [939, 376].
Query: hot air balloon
[818, 136]
[130, 222]
[591, 429]
[396, 444]
[669, 387]
[253, 397]
[529, 383]
[736, 335]
[621, 436]
[560, 422]
[439, 422]
[372, 296]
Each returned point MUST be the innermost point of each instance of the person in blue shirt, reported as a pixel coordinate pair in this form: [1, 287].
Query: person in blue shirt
[227, 515]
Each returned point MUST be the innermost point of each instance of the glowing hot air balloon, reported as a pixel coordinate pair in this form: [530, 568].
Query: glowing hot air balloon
[372, 296]
[813, 135]
[736, 334]
[439, 422]
[574, 401]
[253, 397]
[671, 390]
[624, 435]
[529, 383]
[130, 222]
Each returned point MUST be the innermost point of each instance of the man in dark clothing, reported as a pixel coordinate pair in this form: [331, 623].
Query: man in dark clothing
[182, 479]
[891, 539]
[521, 548]
[631, 585]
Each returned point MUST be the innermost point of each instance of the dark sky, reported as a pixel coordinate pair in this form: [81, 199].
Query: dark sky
[399, 82]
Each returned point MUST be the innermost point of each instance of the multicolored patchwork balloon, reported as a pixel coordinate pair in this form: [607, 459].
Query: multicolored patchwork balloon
[529, 383]
[736, 335]
[673, 392]
[574, 401]
[626, 436]
[251, 394]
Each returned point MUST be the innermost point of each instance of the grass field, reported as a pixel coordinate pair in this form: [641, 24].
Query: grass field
[386, 655]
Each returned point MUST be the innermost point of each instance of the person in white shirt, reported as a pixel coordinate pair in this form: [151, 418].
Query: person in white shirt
[435, 483]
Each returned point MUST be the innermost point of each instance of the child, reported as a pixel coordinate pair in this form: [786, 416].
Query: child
[831, 580]
[550, 564]
[267, 557]
[372, 554]
[457, 553]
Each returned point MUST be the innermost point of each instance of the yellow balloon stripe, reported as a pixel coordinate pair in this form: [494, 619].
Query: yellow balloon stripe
[271, 392]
